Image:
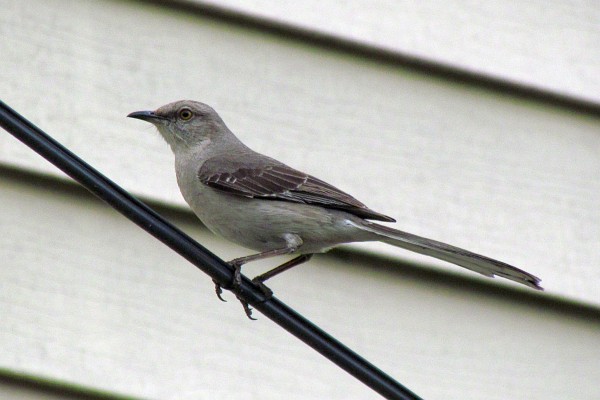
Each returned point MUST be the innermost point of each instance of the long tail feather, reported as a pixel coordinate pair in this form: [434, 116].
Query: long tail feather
[475, 262]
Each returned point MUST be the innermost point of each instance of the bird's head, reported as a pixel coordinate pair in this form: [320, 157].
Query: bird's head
[185, 123]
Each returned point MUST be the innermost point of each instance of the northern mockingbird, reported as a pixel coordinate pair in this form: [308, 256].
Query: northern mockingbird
[264, 205]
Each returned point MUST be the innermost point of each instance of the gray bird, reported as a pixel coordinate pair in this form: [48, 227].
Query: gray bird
[264, 205]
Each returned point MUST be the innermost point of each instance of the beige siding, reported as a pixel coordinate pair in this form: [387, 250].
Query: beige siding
[550, 45]
[506, 177]
[89, 298]
[86, 297]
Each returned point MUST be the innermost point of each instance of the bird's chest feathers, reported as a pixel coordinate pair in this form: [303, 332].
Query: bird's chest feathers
[186, 170]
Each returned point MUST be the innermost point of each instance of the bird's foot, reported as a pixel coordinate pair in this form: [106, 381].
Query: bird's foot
[266, 291]
[235, 286]
[219, 291]
[247, 308]
[235, 283]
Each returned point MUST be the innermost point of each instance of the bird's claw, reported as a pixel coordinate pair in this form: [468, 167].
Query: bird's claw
[237, 283]
[219, 290]
[247, 308]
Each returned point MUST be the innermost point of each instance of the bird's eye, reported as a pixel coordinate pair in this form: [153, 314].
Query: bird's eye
[185, 114]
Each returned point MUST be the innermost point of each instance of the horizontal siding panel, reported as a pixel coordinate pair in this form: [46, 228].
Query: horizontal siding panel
[509, 178]
[16, 385]
[86, 297]
[549, 45]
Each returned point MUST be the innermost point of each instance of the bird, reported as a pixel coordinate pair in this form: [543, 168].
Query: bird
[273, 209]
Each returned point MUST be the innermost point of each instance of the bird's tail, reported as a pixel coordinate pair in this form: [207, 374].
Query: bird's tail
[475, 262]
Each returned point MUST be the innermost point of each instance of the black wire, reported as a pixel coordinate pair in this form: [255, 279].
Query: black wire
[220, 271]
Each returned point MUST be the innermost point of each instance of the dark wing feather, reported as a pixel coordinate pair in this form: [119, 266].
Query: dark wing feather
[276, 181]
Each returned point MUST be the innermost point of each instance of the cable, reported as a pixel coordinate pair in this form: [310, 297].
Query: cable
[220, 271]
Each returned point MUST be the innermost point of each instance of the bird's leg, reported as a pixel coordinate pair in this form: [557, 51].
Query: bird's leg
[259, 280]
[237, 272]
[237, 275]
[237, 263]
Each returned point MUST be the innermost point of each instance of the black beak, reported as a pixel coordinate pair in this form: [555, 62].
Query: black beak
[149, 116]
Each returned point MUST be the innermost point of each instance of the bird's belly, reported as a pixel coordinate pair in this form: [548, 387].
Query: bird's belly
[262, 225]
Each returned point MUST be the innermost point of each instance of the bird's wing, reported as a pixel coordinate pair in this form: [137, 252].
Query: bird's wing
[271, 180]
